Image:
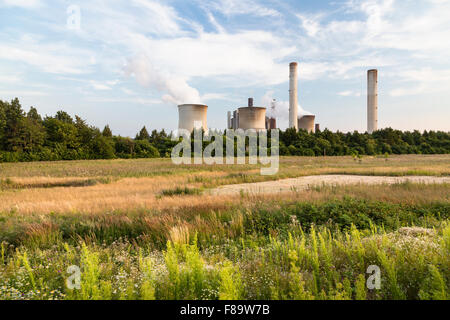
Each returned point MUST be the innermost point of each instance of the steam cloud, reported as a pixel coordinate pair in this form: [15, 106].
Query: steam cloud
[281, 110]
[175, 89]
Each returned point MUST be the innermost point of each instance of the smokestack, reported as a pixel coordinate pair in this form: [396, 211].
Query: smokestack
[250, 102]
[293, 95]
[317, 127]
[372, 101]
[229, 120]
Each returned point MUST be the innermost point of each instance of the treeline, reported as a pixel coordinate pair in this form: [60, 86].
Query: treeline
[26, 136]
[30, 137]
[386, 141]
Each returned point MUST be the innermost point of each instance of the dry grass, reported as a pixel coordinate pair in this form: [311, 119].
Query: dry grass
[290, 166]
[135, 185]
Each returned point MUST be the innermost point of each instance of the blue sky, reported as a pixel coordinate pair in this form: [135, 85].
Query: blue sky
[131, 62]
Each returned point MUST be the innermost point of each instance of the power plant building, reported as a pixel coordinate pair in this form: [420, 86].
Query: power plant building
[307, 123]
[317, 127]
[372, 101]
[293, 95]
[252, 118]
[271, 123]
[192, 116]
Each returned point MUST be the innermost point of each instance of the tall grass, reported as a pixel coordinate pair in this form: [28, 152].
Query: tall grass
[320, 264]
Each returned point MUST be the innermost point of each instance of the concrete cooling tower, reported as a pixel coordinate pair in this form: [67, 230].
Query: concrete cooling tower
[252, 118]
[192, 116]
[307, 123]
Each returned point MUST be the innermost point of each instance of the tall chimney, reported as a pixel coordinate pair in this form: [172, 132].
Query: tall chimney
[372, 101]
[293, 95]
[250, 102]
[229, 125]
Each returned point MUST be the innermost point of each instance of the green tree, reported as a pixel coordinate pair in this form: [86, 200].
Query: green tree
[34, 115]
[102, 148]
[64, 117]
[143, 134]
[13, 129]
[144, 149]
[33, 132]
[107, 133]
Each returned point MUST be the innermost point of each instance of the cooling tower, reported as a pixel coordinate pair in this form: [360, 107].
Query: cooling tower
[192, 114]
[307, 123]
[252, 118]
[372, 101]
[293, 95]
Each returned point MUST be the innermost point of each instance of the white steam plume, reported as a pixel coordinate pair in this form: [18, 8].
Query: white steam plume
[281, 108]
[175, 89]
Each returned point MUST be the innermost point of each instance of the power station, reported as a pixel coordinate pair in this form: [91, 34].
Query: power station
[253, 117]
[250, 117]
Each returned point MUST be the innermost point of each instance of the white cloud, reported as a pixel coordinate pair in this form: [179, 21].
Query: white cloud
[27, 4]
[349, 93]
[99, 86]
[174, 56]
[58, 58]
[239, 7]
[163, 18]
[137, 100]
[176, 90]
[10, 94]
[9, 78]
[422, 81]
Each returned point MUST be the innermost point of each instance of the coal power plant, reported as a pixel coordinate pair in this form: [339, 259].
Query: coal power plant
[194, 116]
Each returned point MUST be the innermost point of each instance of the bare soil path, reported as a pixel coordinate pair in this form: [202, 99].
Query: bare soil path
[303, 183]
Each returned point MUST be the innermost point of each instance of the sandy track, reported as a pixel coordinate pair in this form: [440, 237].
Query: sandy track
[303, 183]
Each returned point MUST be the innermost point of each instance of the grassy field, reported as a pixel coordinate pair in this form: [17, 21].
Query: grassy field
[146, 229]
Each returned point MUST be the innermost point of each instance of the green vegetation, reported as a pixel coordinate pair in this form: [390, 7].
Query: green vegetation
[28, 137]
[269, 250]
[181, 191]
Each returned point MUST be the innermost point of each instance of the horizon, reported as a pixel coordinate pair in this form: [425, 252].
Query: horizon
[130, 64]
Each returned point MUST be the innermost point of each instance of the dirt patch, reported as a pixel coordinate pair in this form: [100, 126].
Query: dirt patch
[304, 183]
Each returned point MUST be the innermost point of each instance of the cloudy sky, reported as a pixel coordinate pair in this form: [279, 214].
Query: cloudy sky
[128, 63]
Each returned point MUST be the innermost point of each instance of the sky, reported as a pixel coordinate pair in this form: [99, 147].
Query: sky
[129, 63]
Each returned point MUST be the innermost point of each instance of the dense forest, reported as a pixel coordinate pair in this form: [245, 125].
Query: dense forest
[27, 136]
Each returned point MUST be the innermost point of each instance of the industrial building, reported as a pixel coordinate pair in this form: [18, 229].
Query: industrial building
[253, 117]
[317, 127]
[307, 123]
[293, 95]
[192, 116]
[271, 123]
[372, 101]
[249, 117]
